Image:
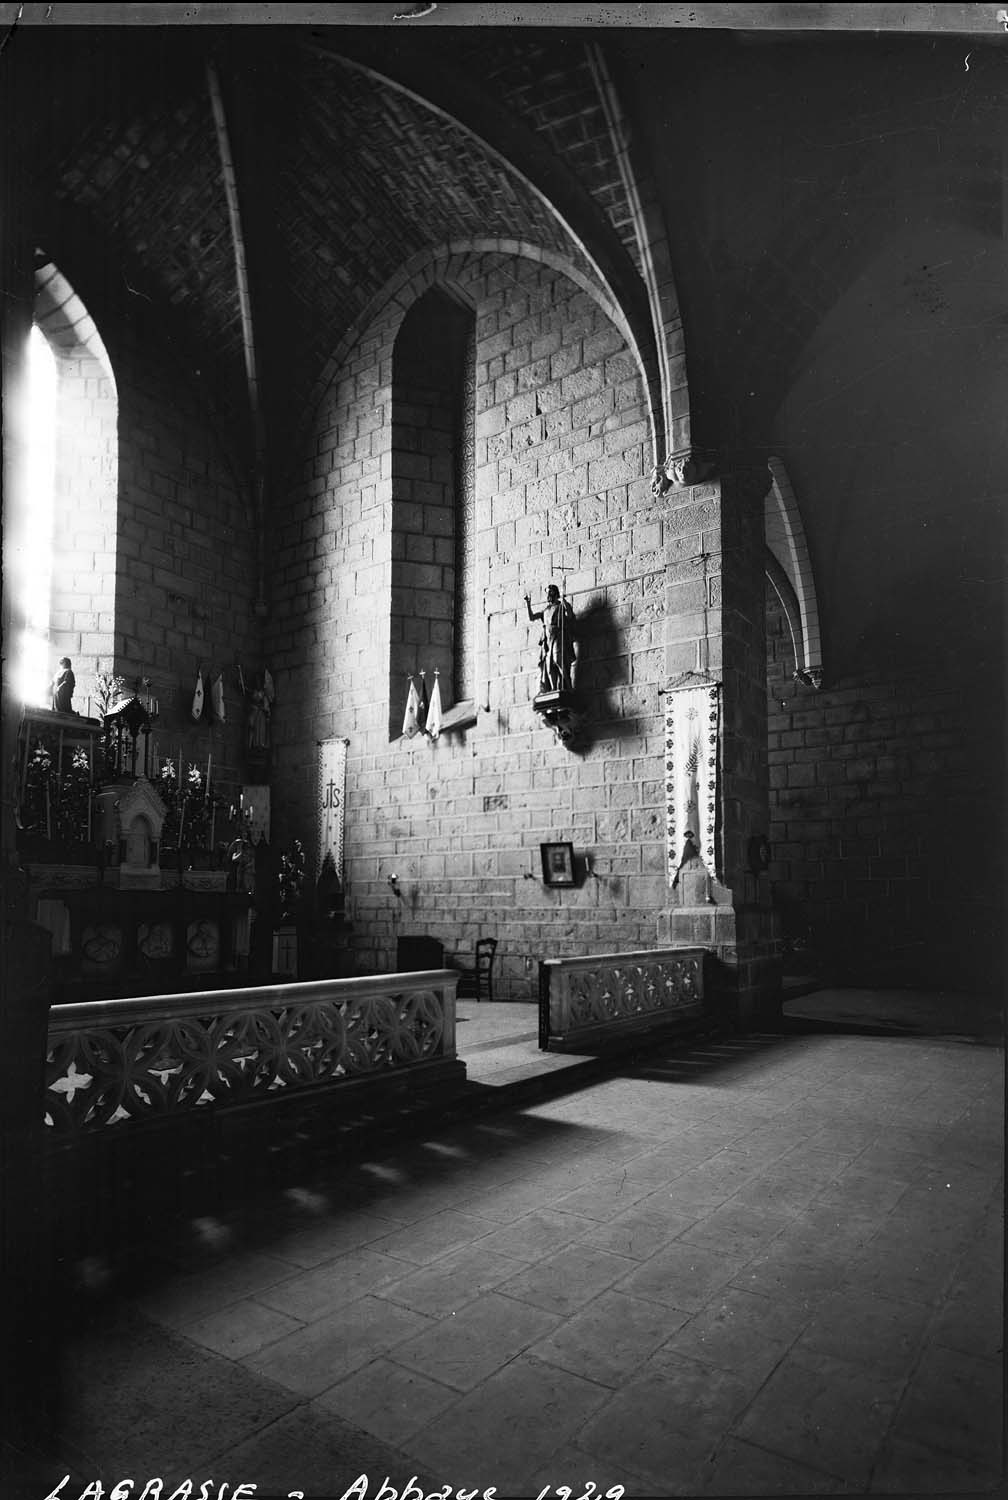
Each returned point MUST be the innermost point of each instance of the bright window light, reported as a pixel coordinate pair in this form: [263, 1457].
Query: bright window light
[34, 561]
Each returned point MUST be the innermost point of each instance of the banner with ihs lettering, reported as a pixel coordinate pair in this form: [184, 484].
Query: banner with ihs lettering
[331, 799]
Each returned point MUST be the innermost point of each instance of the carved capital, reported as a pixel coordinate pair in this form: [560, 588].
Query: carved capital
[811, 676]
[682, 470]
[693, 467]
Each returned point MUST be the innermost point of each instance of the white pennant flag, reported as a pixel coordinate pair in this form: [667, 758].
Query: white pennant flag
[217, 697]
[410, 726]
[434, 710]
[197, 702]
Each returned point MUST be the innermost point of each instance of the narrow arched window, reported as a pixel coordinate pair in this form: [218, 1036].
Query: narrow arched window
[67, 498]
[434, 606]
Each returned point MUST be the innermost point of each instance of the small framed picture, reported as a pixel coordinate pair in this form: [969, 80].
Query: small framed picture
[557, 864]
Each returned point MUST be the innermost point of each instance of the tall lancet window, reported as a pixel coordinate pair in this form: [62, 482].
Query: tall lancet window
[465, 530]
[35, 543]
[64, 500]
[433, 597]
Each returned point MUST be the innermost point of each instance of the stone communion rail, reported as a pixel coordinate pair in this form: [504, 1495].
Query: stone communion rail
[157, 1058]
[602, 997]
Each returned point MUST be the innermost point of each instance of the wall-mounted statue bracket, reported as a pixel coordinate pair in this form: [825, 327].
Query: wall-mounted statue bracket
[561, 711]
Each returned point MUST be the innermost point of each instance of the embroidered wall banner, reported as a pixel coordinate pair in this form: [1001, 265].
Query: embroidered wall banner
[331, 800]
[692, 720]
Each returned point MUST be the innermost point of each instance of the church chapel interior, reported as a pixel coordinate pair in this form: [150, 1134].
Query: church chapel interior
[530, 486]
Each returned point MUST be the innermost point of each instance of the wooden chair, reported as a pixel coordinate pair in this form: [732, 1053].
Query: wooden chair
[478, 979]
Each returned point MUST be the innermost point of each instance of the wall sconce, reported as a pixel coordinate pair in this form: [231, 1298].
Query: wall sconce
[393, 881]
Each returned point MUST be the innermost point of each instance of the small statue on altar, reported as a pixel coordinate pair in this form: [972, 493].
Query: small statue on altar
[557, 656]
[260, 709]
[62, 687]
[241, 866]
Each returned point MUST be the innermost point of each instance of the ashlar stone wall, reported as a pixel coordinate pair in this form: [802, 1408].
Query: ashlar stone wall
[886, 803]
[185, 560]
[562, 455]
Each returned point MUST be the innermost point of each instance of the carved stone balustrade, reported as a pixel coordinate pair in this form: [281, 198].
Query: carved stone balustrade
[157, 1058]
[584, 1001]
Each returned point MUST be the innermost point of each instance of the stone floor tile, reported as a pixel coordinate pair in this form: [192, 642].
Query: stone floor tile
[566, 1280]
[823, 1412]
[317, 1453]
[605, 1197]
[648, 1428]
[740, 1468]
[784, 1273]
[640, 1231]
[509, 1428]
[866, 1194]
[827, 1235]
[537, 1234]
[387, 1400]
[26, 1474]
[325, 1352]
[682, 1276]
[313, 1244]
[446, 1286]
[466, 1349]
[513, 1202]
[696, 1193]
[183, 1298]
[914, 1469]
[141, 1398]
[663, 1164]
[610, 1338]
[240, 1329]
[956, 1404]
[909, 1274]
[708, 1398]
[314, 1294]
[572, 1467]
[737, 1230]
[428, 1238]
[971, 1317]
[877, 1332]
[740, 1331]
[827, 1153]
[781, 1188]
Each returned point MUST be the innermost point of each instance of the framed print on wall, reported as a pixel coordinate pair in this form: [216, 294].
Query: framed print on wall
[557, 864]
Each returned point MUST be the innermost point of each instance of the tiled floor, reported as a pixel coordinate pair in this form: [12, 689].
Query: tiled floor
[768, 1265]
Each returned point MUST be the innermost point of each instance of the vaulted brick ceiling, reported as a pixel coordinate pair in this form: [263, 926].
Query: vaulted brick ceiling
[357, 148]
[342, 176]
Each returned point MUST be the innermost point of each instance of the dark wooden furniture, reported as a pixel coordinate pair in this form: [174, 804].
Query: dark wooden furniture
[132, 942]
[477, 979]
[414, 953]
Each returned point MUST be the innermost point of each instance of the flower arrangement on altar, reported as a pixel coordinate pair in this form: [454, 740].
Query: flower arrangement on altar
[109, 691]
[292, 879]
[73, 811]
[57, 807]
[192, 807]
